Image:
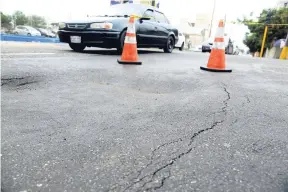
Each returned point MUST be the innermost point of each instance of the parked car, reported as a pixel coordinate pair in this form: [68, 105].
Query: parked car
[108, 31]
[181, 41]
[26, 30]
[46, 33]
[229, 47]
[206, 47]
[197, 48]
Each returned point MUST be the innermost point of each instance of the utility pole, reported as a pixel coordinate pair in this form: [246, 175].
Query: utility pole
[263, 40]
[212, 18]
[268, 20]
[284, 52]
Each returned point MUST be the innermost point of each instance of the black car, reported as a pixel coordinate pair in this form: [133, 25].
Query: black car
[207, 47]
[228, 48]
[45, 32]
[108, 31]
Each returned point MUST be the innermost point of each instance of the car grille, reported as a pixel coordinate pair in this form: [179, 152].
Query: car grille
[76, 26]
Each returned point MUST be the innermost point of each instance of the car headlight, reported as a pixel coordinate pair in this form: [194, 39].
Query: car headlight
[101, 25]
[62, 25]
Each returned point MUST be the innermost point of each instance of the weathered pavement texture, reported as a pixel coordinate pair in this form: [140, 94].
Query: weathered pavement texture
[82, 122]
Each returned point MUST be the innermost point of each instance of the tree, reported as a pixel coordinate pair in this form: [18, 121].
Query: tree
[19, 18]
[254, 39]
[6, 21]
[36, 21]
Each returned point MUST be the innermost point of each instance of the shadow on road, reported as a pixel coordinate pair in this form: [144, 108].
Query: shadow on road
[114, 52]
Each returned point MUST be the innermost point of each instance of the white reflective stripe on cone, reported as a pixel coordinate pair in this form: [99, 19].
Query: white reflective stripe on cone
[219, 45]
[130, 40]
[131, 28]
[219, 32]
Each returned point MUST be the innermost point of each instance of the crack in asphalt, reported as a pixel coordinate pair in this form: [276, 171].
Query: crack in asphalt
[12, 78]
[5, 81]
[8, 80]
[26, 83]
[248, 100]
[150, 163]
[152, 175]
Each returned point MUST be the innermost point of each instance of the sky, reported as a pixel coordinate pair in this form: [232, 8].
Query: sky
[61, 10]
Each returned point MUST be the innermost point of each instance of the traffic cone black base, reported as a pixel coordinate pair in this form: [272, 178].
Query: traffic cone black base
[129, 62]
[216, 70]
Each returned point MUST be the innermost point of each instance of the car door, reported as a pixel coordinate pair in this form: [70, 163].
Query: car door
[20, 30]
[26, 31]
[147, 29]
[163, 27]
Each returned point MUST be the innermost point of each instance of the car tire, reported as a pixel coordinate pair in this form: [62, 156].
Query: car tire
[28, 34]
[16, 33]
[182, 47]
[121, 42]
[203, 51]
[77, 47]
[169, 45]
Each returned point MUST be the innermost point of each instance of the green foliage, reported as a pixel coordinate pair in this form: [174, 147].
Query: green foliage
[6, 21]
[254, 39]
[36, 21]
[19, 18]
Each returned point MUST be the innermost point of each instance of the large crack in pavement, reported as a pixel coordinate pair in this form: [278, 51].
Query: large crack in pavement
[144, 182]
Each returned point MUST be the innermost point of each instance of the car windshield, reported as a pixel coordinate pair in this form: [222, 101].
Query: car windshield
[43, 30]
[121, 10]
[31, 29]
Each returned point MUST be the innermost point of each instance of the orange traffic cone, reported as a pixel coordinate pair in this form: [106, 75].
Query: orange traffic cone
[129, 54]
[216, 62]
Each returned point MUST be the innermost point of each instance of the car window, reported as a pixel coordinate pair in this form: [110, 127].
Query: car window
[31, 29]
[160, 17]
[149, 13]
[43, 30]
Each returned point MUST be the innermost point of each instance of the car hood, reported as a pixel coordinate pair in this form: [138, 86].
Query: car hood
[97, 19]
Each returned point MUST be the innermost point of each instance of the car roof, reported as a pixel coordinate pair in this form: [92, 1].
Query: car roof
[29, 27]
[139, 7]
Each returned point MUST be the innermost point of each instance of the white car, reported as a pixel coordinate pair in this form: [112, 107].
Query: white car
[26, 30]
[181, 41]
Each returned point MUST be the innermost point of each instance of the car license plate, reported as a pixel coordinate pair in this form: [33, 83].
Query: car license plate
[75, 39]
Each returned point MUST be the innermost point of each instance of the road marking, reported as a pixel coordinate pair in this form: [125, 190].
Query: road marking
[15, 54]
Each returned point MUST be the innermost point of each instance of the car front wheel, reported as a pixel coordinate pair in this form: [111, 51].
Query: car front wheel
[182, 47]
[77, 47]
[121, 42]
[169, 45]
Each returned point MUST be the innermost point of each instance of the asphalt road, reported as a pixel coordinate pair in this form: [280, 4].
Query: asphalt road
[82, 122]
